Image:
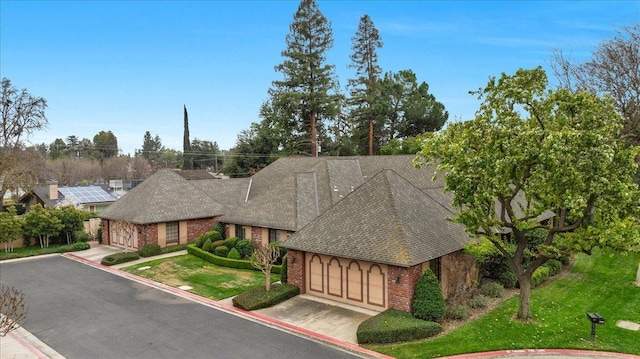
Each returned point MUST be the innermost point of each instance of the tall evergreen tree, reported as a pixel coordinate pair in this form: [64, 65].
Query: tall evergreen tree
[187, 160]
[364, 88]
[151, 148]
[308, 93]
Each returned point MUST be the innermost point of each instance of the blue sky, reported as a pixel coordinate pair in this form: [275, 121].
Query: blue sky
[129, 67]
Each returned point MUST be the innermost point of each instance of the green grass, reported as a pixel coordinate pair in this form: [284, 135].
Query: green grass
[24, 252]
[207, 279]
[599, 283]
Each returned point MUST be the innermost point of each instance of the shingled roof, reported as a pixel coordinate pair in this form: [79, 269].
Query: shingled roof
[164, 197]
[386, 220]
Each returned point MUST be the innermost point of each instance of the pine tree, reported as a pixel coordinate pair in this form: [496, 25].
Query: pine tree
[364, 89]
[187, 160]
[308, 94]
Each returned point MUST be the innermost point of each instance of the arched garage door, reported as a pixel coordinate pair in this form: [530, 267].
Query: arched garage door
[351, 281]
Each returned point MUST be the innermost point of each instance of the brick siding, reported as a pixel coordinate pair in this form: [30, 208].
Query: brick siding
[402, 286]
[295, 269]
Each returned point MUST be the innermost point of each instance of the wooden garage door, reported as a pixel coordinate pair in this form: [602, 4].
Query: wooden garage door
[351, 281]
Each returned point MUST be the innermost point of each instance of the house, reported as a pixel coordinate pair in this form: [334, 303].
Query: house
[91, 198]
[168, 209]
[360, 230]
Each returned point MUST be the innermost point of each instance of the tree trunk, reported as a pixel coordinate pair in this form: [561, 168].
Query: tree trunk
[524, 309]
[314, 138]
[267, 275]
[370, 137]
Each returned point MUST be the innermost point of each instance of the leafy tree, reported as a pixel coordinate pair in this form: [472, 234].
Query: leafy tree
[308, 93]
[263, 258]
[41, 224]
[10, 228]
[532, 159]
[428, 300]
[365, 87]
[187, 159]
[22, 115]
[411, 109]
[57, 149]
[105, 145]
[614, 69]
[151, 147]
[71, 219]
[255, 149]
[206, 154]
[405, 146]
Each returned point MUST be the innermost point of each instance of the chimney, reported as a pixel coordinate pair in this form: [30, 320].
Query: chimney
[53, 190]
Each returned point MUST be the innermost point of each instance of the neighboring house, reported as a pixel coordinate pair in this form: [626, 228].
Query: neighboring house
[168, 209]
[360, 230]
[90, 198]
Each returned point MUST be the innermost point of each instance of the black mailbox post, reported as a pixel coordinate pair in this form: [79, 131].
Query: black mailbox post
[595, 318]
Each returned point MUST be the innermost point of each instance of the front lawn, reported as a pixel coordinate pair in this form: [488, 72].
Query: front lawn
[206, 279]
[598, 283]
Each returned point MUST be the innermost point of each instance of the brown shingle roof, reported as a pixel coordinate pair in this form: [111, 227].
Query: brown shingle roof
[386, 220]
[164, 197]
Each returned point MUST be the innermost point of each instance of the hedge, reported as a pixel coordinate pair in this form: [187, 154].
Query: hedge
[539, 275]
[259, 298]
[118, 258]
[226, 262]
[392, 326]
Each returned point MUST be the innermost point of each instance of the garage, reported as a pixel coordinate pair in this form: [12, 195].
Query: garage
[355, 282]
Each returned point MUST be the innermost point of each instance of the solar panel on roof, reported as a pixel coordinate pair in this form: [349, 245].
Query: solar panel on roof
[87, 194]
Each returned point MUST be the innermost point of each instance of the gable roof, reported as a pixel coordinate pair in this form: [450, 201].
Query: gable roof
[73, 194]
[386, 220]
[164, 197]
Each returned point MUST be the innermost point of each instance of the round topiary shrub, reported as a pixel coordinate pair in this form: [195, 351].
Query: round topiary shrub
[230, 242]
[245, 247]
[234, 254]
[221, 251]
[206, 246]
[150, 250]
[217, 243]
[199, 241]
[428, 301]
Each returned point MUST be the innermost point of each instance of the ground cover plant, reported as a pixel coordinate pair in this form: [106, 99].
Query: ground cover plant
[36, 251]
[601, 283]
[206, 279]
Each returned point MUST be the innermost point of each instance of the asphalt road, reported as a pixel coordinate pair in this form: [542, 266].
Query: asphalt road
[84, 312]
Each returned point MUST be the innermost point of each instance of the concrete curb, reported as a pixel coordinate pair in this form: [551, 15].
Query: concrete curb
[271, 322]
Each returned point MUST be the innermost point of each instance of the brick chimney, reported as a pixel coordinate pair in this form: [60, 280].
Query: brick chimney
[53, 190]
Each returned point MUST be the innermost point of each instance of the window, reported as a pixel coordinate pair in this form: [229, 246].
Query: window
[173, 232]
[434, 265]
[274, 235]
[239, 231]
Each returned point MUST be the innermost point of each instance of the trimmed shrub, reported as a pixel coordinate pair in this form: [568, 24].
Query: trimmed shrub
[219, 227]
[206, 246]
[217, 243]
[457, 312]
[81, 236]
[221, 251]
[392, 326]
[259, 298]
[245, 247]
[225, 262]
[283, 274]
[479, 301]
[230, 242]
[81, 246]
[492, 290]
[199, 241]
[508, 279]
[234, 254]
[428, 301]
[215, 235]
[118, 258]
[554, 265]
[539, 275]
[150, 250]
